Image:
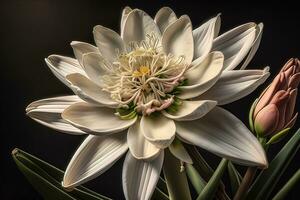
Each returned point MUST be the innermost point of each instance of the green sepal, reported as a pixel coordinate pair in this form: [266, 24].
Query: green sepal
[278, 136]
[46, 179]
[268, 178]
[250, 117]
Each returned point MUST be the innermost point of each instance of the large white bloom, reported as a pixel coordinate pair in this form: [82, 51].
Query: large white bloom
[158, 80]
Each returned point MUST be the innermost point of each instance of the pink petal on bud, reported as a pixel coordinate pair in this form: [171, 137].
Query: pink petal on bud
[280, 99]
[268, 94]
[266, 120]
[292, 122]
[291, 105]
[288, 65]
[294, 80]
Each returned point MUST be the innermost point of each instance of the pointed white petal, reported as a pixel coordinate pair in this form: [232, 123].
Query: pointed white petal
[203, 76]
[235, 44]
[137, 25]
[139, 147]
[125, 14]
[93, 157]
[158, 129]
[191, 110]
[235, 84]
[204, 36]
[220, 132]
[95, 67]
[140, 177]
[178, 40]
[255, 45]
[48, 112]
[95, 120]
[89, 91]
[109, 42]
[80, 48]
[61, 66]
[164, 17]
[178, 150]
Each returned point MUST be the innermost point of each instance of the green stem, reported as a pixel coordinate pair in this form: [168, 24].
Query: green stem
[288, 186]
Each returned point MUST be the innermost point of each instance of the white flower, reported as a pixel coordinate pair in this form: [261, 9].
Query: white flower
[158, 80]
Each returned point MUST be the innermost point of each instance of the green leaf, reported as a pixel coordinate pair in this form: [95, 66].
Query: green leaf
[279, 136]
[203, 168]
[288, 186]
[234, 177]
[267, 179]
[251, 115]
[214, 182]
[197, 181]
[46, 179]
[176, 179]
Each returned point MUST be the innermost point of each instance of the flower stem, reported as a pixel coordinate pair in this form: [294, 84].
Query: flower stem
[245, 184]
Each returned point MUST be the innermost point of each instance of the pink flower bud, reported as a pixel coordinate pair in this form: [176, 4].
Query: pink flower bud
[274, 110]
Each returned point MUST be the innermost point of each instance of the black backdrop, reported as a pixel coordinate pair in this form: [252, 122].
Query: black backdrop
[33, 29]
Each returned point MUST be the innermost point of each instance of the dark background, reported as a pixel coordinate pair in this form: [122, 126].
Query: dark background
[33, 29]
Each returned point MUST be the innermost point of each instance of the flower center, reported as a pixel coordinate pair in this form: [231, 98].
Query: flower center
[145, 78]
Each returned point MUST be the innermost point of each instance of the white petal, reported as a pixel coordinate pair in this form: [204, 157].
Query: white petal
[203, 76]
[61, 66]
[235, 44]
[178, 150]
[89, 91]
[80, 48]
[139, 147]
[95, 67]
[164, 17]
[235, 84]
[255, 45]
[204, 36]
[137, 25]
[191, 110]
[178, 40]
[140, 177]
[222, 133]
[158, 129]
[48, 112]
[125, 14]
[109, 42]
[93, 157]
[95, 120]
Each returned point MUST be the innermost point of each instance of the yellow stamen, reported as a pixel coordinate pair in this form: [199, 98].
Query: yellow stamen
[143, 70]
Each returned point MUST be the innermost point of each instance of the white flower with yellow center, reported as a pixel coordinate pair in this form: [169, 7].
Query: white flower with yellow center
[157, 81]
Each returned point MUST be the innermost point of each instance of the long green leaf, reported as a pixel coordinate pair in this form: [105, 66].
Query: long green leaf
[234, 177]
[204, 169]
[176, 179]
[288, 186]
[214, 182]
[46, 179]
[162, 185]
[159, 195]
[267, 179]
[196, 180]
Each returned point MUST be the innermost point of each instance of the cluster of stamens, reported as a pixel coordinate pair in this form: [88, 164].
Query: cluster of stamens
[145, 77]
